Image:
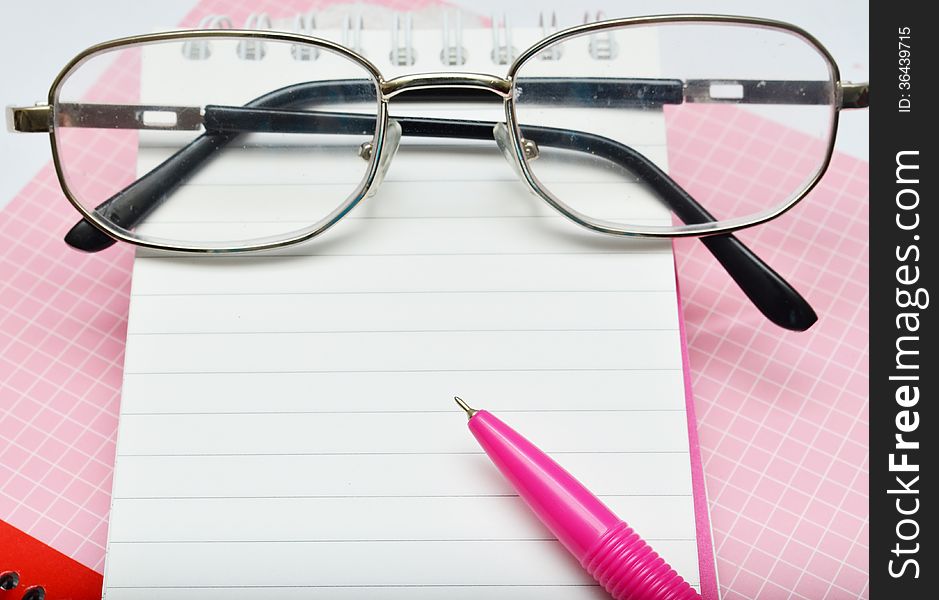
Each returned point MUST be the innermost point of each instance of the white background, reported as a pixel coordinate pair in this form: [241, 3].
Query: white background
[39, 38]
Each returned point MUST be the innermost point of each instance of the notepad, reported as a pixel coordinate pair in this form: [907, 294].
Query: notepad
[287, 427]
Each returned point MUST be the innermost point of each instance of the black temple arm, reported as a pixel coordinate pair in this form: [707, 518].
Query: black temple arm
[769, 292]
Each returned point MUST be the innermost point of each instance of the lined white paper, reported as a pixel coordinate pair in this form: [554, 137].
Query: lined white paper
[287, 425]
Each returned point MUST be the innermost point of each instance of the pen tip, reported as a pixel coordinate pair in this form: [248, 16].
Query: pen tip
[469, 411]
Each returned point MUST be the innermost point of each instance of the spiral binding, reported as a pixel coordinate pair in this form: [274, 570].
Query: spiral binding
[453, 53]
[602, 45]
[352, 32]
[402, 41]
[502, 50]
[199, 50]
[305, 24]
[402, 53]
[554, 52]
[254, 49]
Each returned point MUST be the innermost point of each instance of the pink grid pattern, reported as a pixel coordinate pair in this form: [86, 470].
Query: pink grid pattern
[782, 416]
[62, 335]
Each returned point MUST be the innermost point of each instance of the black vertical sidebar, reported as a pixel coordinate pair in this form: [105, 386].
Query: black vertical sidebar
[904, 366]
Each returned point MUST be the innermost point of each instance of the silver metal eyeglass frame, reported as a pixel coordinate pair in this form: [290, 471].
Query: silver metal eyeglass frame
[743, 265]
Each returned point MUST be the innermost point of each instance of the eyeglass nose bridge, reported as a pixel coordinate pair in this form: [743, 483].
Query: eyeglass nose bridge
[386, 153]
[500, 86]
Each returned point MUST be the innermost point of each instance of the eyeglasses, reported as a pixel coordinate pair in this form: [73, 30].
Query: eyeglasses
[327, 109]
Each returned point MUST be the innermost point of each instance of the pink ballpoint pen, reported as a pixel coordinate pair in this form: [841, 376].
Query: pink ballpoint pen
[604, 545]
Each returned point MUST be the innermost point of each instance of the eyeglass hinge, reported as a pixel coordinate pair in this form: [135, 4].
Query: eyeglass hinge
[855, 95]
[29, 119]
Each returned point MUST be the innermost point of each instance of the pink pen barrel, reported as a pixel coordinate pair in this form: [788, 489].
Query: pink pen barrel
[607, 548]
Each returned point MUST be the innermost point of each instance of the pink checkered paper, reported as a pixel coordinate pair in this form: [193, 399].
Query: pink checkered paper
[782, 417]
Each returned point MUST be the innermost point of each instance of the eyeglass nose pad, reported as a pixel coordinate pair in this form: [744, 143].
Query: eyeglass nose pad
[388, 151]
[501, 133]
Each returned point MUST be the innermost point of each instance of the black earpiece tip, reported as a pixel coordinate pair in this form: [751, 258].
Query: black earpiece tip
[86, 237]
[799, 315]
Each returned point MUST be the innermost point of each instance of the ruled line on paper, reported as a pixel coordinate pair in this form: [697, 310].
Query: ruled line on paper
[362, 541]
[397, 412]
[419, 371]
[656, 495]
[370, 331]
[280, 256]
[382, 519]
[414, 292]
[415, 453]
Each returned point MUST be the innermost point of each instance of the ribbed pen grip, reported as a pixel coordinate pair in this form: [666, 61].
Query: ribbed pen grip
[629, 569]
